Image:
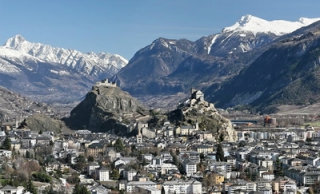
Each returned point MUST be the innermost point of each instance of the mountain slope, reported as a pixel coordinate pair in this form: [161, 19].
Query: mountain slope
[168, 66]
[151, 63]
[287, 73]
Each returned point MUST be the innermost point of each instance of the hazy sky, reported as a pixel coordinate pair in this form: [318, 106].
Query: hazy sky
[124, 27]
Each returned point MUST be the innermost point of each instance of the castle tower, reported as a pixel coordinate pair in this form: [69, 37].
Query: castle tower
[17, 123]
[197, 125]
[139, 136]
[193, 90]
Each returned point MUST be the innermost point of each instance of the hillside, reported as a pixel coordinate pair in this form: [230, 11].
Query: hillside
[14, 106]
[287, 73]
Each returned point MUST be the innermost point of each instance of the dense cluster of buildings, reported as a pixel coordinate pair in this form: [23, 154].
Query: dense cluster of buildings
[266, 160]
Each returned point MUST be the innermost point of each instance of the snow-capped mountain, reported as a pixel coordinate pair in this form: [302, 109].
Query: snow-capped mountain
[249, 23]
[286, 73]
[248, 33]
[101, 65]
[168, 66]
[47, 74]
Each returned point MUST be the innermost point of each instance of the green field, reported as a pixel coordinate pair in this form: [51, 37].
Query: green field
[313, 124]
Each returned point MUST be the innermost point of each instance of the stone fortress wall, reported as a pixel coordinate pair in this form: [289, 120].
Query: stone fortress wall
[105, 82]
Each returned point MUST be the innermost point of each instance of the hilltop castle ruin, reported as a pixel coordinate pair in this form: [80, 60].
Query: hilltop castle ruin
[105, 82]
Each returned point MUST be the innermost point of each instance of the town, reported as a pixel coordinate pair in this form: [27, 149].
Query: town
[267, 156]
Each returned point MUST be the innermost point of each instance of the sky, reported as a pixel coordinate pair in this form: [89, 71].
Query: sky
[125, 26]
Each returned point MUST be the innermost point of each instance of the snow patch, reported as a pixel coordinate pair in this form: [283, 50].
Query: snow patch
[246, 98]
[7, 67]
[212, 42]
[60, 72]
[277, 27]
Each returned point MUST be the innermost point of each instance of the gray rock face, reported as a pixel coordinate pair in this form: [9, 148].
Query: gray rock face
[41, 122]
[104, 109]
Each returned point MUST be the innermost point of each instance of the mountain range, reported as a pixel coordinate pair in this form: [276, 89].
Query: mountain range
[251, 62]
[167, 67]
[286, 73]
[48, 74]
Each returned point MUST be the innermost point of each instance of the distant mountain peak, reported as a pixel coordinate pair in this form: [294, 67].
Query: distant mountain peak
[14, 41]
[249, 23]
[244, 20]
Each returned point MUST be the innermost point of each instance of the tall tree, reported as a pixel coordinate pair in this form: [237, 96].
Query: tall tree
[80, 189]
[163, 191]
[7, 144]
[278, 168]
[220, 153]
[115, 174]
[118, 145]
[90, 159]
[31, 187]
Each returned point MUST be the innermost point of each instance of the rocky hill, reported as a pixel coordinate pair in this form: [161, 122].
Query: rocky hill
[106, 108]
[14, 107]
[197, 110]
[41, 122]
[287, 73]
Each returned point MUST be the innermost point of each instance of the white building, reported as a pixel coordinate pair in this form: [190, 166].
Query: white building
[148, 157]
[289, 186]
[146, 185]
[190, 168]
[267, 176]
[92, 167]
[129, 174]
[10, 189]
[224, 168]
[183, 187]
[124, 160]
[163, 168]
[242, 187]
[6, 153]
[103, 174]
[166, 156]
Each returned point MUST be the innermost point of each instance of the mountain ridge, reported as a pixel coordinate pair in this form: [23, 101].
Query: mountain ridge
[88, 63]
[278, 27]
[52, 75]
[285, 74]
[165, 66]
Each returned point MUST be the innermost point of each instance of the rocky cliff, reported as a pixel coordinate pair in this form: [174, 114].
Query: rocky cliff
[106, 108]
[41, 122]
[197, 110]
